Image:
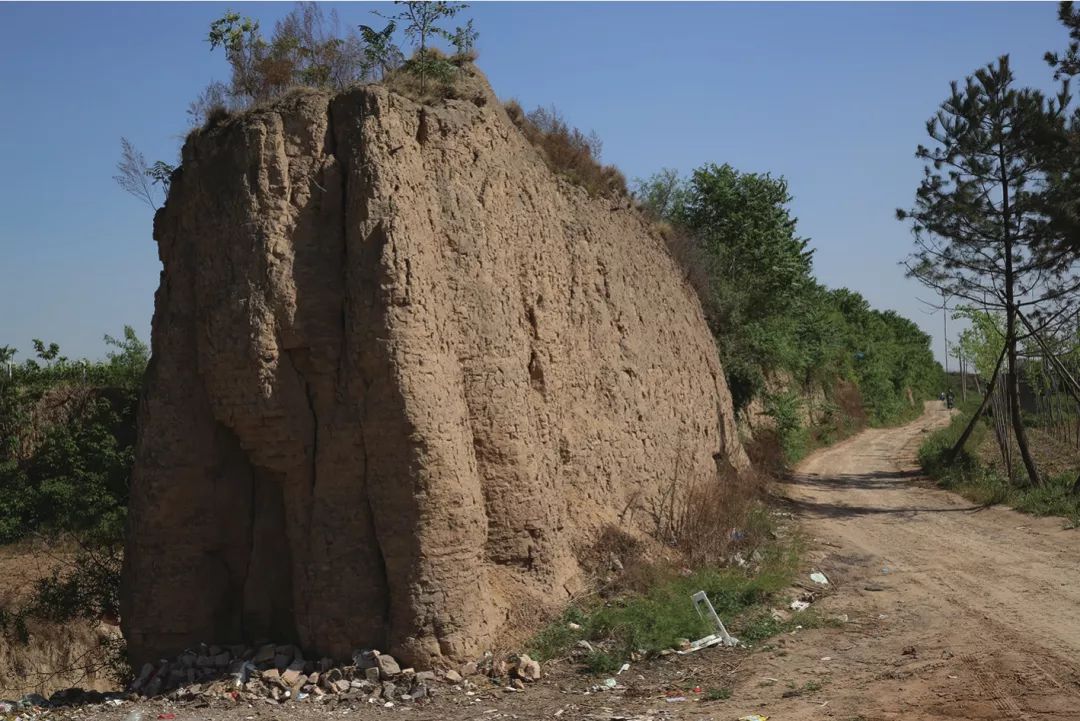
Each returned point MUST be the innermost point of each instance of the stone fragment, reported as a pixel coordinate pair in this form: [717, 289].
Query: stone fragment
[527, 668]
[144, 675]
[264, 655]
[293, 673]
[388, 666]
[453, 676]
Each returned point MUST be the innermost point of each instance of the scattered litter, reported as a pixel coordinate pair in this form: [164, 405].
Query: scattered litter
[705, 609]
[675, 699]
[873, 587]
[819, 578]
[166, 716]
[798, 605]
[625, 667]
[826, 658]
[754, 717]
[885, 569]
[610, 682]
[574, 626]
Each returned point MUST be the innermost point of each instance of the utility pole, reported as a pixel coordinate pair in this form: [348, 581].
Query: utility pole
[944, 308]
[945, 329]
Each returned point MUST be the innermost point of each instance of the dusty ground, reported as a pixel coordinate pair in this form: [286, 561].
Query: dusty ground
[72, 647]
[955, 612]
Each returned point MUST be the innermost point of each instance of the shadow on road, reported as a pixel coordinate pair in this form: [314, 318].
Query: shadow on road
[877, 480]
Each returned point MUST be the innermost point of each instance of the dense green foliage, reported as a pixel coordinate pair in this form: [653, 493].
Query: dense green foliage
[770, 316]
[68, 430]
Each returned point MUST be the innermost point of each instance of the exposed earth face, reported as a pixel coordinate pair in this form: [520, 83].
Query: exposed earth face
[403, 375]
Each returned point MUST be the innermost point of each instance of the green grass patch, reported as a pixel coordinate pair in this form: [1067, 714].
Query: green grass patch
[656, 618]
[966, 475]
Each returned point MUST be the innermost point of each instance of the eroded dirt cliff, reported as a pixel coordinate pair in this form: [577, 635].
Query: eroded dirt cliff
[402, 375]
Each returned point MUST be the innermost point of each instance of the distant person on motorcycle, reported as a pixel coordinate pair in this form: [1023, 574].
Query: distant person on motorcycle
[949, 398]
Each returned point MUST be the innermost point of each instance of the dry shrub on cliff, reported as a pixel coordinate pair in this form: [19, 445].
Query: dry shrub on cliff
[445, 77]
[567, 150]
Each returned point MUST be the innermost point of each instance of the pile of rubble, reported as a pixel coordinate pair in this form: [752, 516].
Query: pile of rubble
[281, 673]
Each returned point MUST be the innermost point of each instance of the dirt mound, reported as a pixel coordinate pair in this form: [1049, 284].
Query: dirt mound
[401, 373]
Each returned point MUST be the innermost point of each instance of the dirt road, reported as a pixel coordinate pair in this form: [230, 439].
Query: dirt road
[953, 612]
[959, 612]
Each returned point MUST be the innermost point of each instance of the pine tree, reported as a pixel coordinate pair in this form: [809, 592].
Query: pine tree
[980, 211]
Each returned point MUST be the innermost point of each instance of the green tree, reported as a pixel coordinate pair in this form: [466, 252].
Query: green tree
[244, 48]
[1061, 153]
[381, 55]
[420, 21]
[135, 177]
[979, 214]
[981, 342]
[1068, 64]
[662, 194]
[46, 353]
[760, 268]
[464, 40]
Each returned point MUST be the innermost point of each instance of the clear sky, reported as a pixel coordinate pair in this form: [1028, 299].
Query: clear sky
[832, 96]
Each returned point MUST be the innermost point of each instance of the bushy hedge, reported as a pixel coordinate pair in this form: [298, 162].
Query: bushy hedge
[68, 432]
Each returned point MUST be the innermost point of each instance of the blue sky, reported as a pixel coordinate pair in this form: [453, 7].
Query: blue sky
[832, 96]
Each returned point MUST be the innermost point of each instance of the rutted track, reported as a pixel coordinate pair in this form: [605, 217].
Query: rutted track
[992, 593]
